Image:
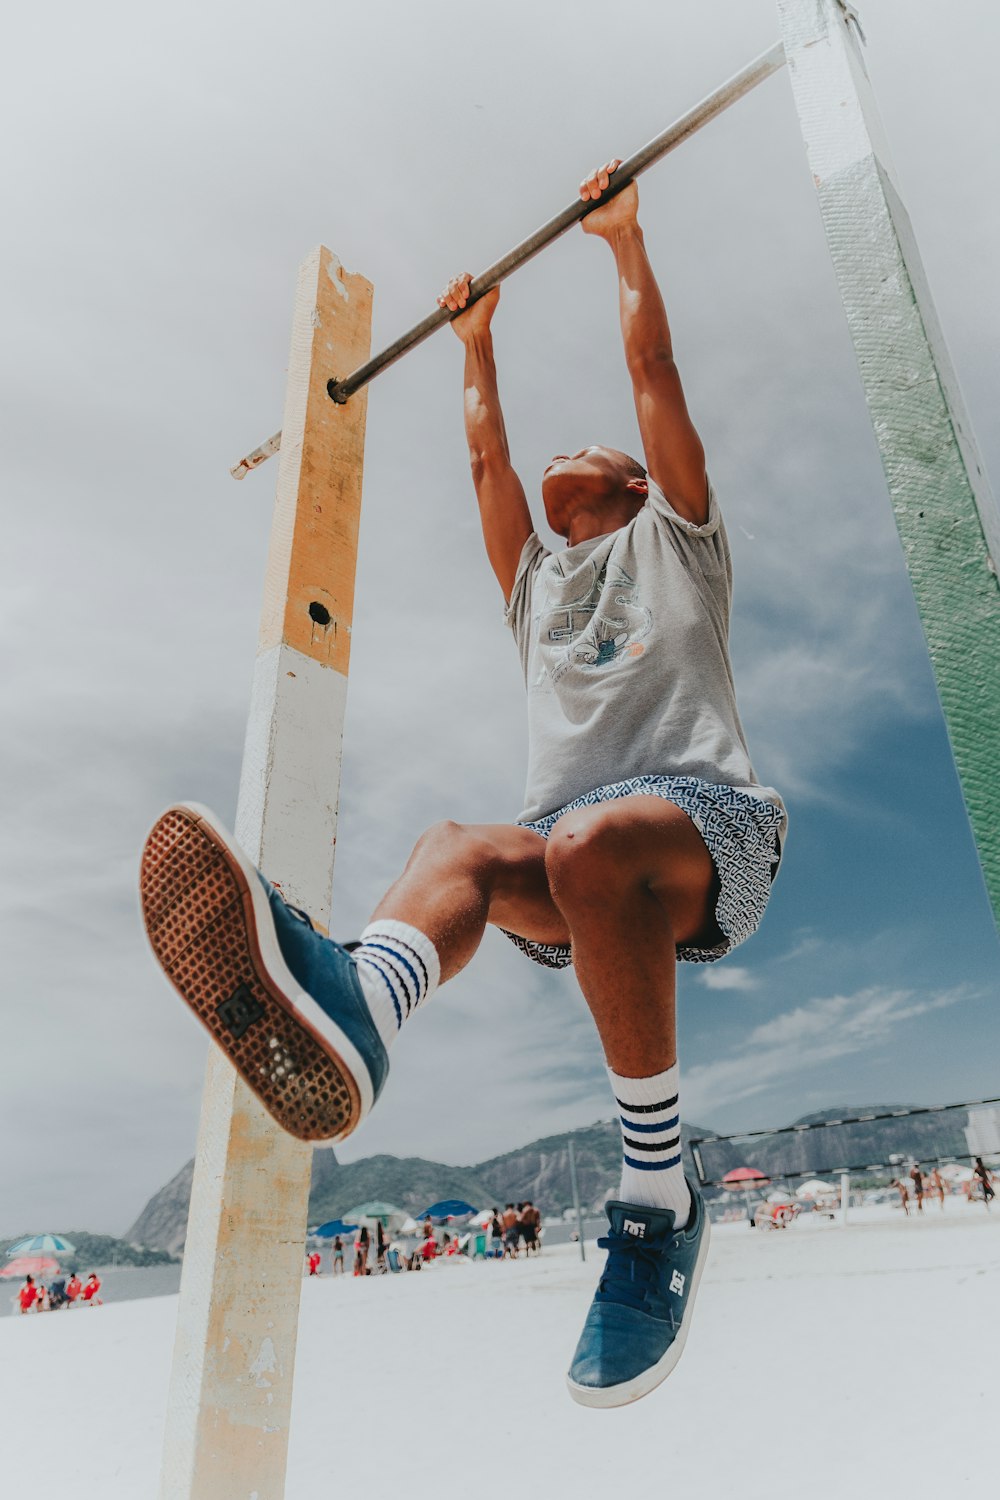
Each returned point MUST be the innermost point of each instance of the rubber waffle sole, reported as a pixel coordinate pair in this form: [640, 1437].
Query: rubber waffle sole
[199, 914]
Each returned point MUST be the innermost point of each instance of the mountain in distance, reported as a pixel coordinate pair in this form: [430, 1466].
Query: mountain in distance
[540, 1170]
[163, 1222]
[923, 1137]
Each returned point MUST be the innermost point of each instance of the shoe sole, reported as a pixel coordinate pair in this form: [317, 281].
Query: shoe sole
[210, 925]
[641, 1385]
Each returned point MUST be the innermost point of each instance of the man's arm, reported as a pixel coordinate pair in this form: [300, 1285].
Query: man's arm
[675, 457]
[503, 508]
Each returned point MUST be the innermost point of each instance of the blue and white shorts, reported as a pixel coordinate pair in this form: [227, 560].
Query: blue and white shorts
[741, 833]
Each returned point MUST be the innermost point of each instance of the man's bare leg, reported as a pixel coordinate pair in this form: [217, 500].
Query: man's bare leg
[623, 883]
[461, 877]
[633, 879]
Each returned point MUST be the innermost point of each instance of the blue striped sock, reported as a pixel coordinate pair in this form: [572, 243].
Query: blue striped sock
[652, 1171]
[398, 968]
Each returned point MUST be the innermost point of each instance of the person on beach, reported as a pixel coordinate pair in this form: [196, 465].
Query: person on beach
[428, 1245]
[338, 1255]
[73, 1289]
[531, 1219]
[314, 1262]
[937, 1186]
[511, 1232]
[917, 1178]
[496, 1235]
[904, 1194]
[91, 1289]
[982, 1179]
[645, 839]
[361, 1247]
[28, 1295]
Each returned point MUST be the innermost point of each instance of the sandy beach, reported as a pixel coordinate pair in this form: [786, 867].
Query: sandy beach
[835, 1361]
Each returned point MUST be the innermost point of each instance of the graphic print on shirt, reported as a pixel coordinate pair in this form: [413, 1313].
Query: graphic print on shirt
[603, 625]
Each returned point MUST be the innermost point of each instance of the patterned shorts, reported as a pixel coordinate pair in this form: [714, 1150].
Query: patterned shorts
[741, 833]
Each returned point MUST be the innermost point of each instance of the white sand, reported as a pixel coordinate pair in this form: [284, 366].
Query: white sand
[822, 1362]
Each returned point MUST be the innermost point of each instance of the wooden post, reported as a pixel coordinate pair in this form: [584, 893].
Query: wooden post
[231, 1384]
[945, 513]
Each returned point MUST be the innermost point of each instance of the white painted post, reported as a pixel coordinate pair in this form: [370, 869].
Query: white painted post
[845, 1198]
[231, 1383]
[946, 516]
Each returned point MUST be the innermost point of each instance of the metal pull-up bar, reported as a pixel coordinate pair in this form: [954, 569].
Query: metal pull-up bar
[733, 89]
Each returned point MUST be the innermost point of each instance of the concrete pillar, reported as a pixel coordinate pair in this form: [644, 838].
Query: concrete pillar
[946, 516]
[231, 1383]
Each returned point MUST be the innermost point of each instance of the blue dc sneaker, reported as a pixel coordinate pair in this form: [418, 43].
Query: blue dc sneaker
[283, 1002]
[641, 1312]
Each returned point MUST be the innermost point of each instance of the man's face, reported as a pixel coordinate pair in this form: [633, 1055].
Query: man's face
[591, 479]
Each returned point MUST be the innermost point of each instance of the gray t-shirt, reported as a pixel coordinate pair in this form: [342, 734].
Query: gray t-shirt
[624, 645]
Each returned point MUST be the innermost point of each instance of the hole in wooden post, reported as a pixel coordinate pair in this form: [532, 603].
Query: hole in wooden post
[319, 613]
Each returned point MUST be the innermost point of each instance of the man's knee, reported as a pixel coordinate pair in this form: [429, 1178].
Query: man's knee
[449, 843]
[588, 855]
[456, 845]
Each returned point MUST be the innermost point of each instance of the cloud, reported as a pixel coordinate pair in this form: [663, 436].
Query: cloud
[133, 563]
[728, 977]
[782, 1049]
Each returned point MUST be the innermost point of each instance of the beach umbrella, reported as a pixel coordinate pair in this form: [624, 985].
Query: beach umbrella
[741, 1180]
[482, 1219]
[744, 1177]
[448, 1208]
[30, 1265]
[375, 1209]
[42, 1244]
[816, 1189]
[335, 1226]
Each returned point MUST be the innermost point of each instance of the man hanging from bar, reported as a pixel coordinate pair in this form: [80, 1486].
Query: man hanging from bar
[645, 840]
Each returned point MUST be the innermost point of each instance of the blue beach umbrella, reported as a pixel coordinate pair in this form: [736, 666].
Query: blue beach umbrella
[43, 1244]
[335, 1226]
[448, 1208]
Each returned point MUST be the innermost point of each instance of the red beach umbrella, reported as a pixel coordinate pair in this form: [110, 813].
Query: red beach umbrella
[741, 1180]
[744, 1177]
[29, 1265]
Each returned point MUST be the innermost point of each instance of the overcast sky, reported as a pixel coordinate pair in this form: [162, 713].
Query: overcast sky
[166, 169]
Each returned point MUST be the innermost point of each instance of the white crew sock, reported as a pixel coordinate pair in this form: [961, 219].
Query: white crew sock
[652, 1174]
[398, 968]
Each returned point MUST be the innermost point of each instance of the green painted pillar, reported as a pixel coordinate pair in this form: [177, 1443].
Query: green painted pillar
[946, 515]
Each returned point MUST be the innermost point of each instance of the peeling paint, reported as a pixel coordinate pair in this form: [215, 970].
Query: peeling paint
[334, 270]
[265, 1364]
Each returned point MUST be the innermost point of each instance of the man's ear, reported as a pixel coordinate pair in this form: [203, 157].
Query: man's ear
[637, 486]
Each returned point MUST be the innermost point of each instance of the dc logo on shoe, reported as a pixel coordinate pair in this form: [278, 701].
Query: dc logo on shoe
[240, 1011]
[677, 1283]
[631, 1226]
